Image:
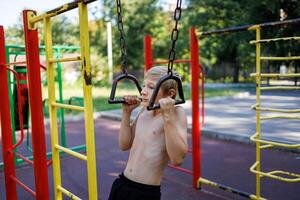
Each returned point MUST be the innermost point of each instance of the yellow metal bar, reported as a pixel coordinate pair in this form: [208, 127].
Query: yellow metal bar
[274, 40]
[258, 89]
[226, 188]
[255, 107]
[276, 75]
[88, 102]
[281, 88]
[281, 58]
[271, 174]
[65, 59]
[68, 193]
[73, 153]
[266, 146]
[59, 10]
[66, 106]
[52, 109]
[280, 117]
[268, 142]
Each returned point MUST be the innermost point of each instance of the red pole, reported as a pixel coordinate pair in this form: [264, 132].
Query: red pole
[36, 109]
[195, 107]
[6, 131]
[147, 52]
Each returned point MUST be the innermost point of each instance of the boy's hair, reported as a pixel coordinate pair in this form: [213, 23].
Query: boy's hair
[157, 72]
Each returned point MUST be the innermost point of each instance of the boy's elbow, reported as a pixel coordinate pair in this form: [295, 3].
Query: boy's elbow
[179, 159]
[124, 146]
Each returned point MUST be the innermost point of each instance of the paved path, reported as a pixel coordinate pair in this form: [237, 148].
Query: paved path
[232, 117]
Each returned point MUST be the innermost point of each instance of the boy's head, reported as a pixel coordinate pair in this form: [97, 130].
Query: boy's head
[167, 89]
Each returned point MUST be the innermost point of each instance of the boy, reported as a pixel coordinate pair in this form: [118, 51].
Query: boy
[154, 138]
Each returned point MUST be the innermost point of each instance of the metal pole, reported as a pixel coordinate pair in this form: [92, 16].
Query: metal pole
[36, 108]
[147, 52]
[109, 52]
[7, 143]
[196, 132]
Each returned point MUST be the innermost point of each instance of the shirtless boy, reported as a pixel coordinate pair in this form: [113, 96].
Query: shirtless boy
[154, 138]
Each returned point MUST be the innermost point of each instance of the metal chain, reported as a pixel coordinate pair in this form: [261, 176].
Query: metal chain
[174, 36]
[122, 38]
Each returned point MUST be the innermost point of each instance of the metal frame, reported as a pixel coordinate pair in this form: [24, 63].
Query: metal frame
[256, 137]
[30, 20]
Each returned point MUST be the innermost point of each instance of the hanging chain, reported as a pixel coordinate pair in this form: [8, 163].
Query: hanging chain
[122, 38]
[174, 36]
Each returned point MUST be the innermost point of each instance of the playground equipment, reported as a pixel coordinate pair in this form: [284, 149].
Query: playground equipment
[30, 19]
[256, 167]
[196, 72]
[265, 143]
[14, 51]
[38, 139]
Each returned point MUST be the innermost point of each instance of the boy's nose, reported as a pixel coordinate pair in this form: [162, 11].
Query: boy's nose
[144, 92]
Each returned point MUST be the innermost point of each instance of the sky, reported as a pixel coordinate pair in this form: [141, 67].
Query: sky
[10, 10]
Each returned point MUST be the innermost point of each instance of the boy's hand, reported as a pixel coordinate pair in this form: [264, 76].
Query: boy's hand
[131, 103]
[167, 105]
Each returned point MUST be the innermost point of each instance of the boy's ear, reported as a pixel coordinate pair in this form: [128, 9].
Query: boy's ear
[172, 93]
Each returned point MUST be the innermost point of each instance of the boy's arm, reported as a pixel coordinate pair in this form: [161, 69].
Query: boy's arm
[126, 133]
[175, 128]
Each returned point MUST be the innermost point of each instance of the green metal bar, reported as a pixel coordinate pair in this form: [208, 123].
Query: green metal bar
[61, 100]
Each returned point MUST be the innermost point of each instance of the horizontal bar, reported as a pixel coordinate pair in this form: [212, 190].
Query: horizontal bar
[280, 117]
[24, 158]
[66, 106]
[280, 144]
[266, 146]
[181, 169]
[274, 40]
[281, 58]
[59, 10]
[227, 188]
[271, 174]
[247, 27]
[70, 152]
[275, 75]
[281, 88]
[68, 193]
[25, 187]
[175, 61]
[65, 59]
[15, 63]
[255, 107]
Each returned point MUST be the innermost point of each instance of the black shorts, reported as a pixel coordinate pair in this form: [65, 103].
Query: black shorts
[125, 189]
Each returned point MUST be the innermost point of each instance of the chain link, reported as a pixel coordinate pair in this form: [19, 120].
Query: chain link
[174, 36]
[122, 38]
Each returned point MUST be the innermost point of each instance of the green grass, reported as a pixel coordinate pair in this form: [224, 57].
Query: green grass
[101, 95]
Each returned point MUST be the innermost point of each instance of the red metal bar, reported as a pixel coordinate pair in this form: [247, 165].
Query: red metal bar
[181, 169]
[175, 61]
[24, 158]
[23, 185]
[36, 109]
[147, 52]
[15, 63]
[6, 130]
[195, 107]
[20, 112]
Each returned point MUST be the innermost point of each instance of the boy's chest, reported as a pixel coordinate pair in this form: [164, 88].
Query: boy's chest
[149, 127]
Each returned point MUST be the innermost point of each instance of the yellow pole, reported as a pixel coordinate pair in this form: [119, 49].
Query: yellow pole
[258, 80]
[88, 104]
[52, 109]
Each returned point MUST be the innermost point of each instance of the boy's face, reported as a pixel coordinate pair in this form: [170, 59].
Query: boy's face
[147, 91]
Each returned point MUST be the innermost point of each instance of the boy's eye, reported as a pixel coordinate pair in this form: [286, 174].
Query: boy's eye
[151, 87]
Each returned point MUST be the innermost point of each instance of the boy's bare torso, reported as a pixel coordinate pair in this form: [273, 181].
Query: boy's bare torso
[148, 156]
